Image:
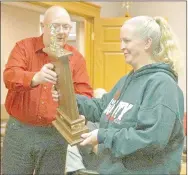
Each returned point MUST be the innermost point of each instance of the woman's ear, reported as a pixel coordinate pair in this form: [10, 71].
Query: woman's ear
[148, 43]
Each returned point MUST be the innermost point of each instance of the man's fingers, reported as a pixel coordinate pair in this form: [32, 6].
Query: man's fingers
[49, 66]
[55, 99]
[50, 72]
[49, 75]
[53, 88]
[50, 78]
[55, 95]
[50, 81]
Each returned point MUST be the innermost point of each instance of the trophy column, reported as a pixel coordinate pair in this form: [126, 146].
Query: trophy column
[68, 121]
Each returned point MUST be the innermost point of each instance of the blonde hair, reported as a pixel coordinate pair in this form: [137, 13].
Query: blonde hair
[165, 47]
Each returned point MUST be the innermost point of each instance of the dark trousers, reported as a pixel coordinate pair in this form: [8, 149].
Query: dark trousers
[28, 149]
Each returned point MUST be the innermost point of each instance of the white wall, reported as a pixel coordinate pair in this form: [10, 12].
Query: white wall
[16, 24]
[109, 9]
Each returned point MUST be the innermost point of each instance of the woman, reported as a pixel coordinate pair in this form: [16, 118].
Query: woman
[140, 119]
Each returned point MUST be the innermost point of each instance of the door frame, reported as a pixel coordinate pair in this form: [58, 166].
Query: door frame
[90, 12]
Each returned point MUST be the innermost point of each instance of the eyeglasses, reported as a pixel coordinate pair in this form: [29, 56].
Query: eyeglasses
[65, 27]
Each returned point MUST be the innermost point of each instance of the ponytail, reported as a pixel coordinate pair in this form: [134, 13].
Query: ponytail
[168, 50]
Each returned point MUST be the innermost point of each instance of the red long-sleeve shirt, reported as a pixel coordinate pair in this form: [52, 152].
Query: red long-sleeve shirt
[35, 105]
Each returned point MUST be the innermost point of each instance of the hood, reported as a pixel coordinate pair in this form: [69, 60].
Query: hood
[153, 68]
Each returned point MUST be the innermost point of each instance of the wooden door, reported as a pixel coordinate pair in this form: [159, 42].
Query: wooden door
[109, 61]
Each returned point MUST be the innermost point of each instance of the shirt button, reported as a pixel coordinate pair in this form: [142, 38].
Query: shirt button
[45, 87]
[42, 102]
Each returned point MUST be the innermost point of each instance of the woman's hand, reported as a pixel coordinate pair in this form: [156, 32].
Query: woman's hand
[90, 138]
[95, 149]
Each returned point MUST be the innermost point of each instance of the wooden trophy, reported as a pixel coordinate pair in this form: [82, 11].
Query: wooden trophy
[68, 121]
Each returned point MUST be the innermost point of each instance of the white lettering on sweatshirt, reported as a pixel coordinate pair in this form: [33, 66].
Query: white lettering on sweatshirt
[119, 110]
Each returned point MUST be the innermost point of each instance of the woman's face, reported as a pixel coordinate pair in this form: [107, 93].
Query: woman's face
[132, 45]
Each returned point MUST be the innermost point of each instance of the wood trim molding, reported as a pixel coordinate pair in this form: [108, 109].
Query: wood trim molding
[89, 47]
[4, 114]
[84, 9]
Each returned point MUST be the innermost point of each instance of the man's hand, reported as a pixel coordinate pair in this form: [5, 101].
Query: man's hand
[46, 74]
[55, 94]
[90, 138]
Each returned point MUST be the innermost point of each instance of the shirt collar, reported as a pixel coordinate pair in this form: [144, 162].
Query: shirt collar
[40, 45]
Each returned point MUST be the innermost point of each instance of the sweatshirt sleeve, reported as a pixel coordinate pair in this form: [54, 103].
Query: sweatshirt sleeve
[16, 75]
[92, 108]
[153, 131]
[156, 118]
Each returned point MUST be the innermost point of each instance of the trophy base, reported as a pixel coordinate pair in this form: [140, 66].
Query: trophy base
[70, 130]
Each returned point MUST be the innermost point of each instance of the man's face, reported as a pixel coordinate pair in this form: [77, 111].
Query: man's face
[62, 27]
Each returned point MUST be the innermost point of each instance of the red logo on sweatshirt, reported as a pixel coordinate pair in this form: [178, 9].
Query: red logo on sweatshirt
[111, 118]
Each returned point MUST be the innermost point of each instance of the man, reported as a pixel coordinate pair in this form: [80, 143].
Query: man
[31, 143]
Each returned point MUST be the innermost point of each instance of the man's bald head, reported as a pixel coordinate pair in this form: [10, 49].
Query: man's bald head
[60, 19]
[56, 13]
